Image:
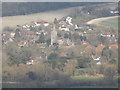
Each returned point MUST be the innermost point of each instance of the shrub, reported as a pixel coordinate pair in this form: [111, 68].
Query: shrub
[109, 72]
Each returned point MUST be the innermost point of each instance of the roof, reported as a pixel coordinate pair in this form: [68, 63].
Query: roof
[113, 46]
[62, 23]
[63, 54]
[41, 22]
[27, 32]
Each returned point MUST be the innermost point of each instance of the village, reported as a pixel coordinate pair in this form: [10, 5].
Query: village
[60, 47]
[60, 34]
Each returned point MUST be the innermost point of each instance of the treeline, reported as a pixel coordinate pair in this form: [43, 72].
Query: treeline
[20, 8]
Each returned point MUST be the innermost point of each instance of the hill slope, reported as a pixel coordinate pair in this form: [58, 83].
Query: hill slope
[20, 8]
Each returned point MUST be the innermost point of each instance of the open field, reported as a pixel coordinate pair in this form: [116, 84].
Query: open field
[106, 21]
[12, 21]
[113, 22]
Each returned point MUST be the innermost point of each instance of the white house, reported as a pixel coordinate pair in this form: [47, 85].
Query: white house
[30, 62]
[64, 29]
[98, 63]
[69, 20]
[12, 34]
[107, 35]
[96, 58]
[76, 26]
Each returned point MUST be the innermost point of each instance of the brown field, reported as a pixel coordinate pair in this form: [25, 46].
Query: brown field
[12, 21]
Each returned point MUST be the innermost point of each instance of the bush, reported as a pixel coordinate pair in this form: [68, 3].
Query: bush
[53, 56]
[110, 71]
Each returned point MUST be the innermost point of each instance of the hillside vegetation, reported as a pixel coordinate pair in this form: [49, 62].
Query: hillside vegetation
[15, 8]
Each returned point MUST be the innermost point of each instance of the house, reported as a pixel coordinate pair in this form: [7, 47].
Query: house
[41, 45]
[62, 24]
[114, 12]
[30, 62]
[96, 58]
[22, 43]
[69, 20]
[60, 42]
[42, 31]
[12, 34]
[76, 27]
[27, 33]
[107, 35]
[98, 63]
[63, 54]
[113, 46]
[83, 43]
[41, 22]
[64, 29]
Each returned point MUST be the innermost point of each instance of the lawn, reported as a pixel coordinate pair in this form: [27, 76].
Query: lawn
[112, 22]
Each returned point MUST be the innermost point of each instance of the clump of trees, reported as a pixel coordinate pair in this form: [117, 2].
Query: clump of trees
[110, 71]
[17, 55]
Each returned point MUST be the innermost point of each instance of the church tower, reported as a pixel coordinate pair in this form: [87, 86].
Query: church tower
[53, 35]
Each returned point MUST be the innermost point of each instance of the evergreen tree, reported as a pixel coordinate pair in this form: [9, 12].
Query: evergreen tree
[41, 38]
[17, 35]
[55, 21]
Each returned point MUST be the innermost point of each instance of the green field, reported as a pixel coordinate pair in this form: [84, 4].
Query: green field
[113, 22]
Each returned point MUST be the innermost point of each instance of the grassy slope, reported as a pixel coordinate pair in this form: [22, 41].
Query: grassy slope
[113, 22]
[106, 21]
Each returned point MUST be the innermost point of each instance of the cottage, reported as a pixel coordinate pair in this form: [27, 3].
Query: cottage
[96, 58]
[12, 34]
[30, 62]
[113, 46]
[41, 22]
[63, 54]
[64, 29]
[62, 24]
[107, 35]
[27, 33]
[60, 42]
[69, 20]
[22, 43]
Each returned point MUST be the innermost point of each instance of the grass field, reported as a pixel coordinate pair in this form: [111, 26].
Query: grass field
[106, 21]
[113, 22]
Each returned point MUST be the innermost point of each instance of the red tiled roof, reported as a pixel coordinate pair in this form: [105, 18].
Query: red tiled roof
[63, 54]
[28, 32]
[41, 22]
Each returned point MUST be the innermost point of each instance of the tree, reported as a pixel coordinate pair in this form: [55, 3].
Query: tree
[110, 71]
[32, 75]
[8, 29]
[48, 42]
[55, 21]
[66, 35]
[53, 56]
[84, 62]
[83, 38]
[106, 53]
[70, 67]
[102, 39]
[17, 35]
[41, 38]
[18, 55]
